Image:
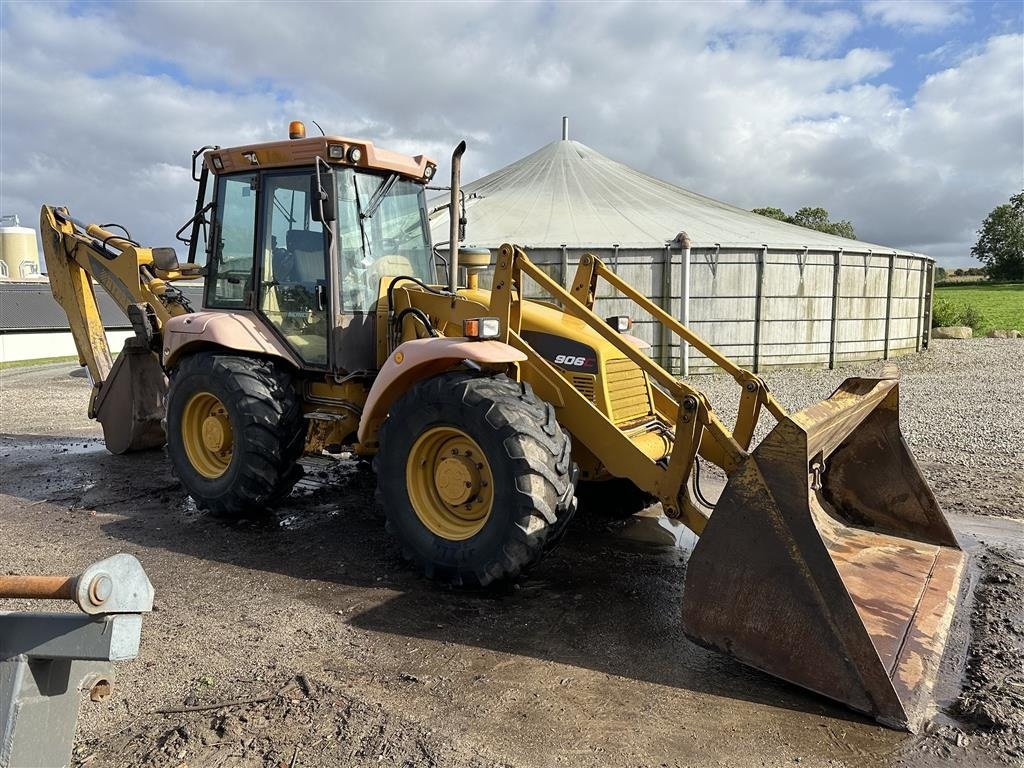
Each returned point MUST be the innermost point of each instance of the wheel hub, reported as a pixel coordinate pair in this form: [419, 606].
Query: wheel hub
[217, 432]
[207, 435]
[457, 479]
[450, 483]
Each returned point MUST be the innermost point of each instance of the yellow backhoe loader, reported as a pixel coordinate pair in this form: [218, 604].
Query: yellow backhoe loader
[826, 560]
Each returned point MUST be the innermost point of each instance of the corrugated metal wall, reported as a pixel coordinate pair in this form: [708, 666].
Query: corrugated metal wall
[768, 307]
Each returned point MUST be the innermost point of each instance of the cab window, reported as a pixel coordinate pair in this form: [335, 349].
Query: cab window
[293, 275]
[231, 251]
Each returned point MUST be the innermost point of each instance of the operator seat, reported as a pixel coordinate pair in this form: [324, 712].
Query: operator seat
[305, 266]
[307, 250]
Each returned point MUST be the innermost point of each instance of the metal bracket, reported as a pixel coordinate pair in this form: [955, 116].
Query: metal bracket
[47, 658]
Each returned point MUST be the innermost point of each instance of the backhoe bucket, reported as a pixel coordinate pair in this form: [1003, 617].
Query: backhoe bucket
[827, 561]
[131, 402]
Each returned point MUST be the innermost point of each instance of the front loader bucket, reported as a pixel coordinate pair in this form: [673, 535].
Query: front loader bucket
[827, 561]
[131, 402]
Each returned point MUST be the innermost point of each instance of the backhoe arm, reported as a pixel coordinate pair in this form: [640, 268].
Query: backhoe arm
[127, 396]
[77, 254]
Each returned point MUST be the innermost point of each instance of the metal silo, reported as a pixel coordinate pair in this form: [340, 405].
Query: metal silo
[19, 250]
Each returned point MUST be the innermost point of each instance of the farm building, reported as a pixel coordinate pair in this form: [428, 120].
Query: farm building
[765, 292]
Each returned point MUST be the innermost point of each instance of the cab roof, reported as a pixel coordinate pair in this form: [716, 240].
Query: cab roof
[303, 153]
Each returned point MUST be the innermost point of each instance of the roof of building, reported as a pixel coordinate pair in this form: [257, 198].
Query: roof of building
[28, 305]
[568, 194]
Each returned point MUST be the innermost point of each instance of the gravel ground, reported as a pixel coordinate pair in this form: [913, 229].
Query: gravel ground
[361, 662]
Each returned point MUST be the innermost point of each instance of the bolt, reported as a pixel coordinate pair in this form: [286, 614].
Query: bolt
[101, 690]
[751, 386]
[100, 589]
[690, 403]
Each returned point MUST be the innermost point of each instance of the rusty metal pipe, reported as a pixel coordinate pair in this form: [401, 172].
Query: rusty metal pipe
[38, 587]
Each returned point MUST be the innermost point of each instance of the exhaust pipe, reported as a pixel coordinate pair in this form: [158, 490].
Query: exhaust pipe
[454, 213]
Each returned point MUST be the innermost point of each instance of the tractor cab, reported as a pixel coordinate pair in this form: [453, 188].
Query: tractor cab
[302, 233]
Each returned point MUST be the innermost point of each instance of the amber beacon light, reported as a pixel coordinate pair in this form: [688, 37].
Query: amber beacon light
[296, 130]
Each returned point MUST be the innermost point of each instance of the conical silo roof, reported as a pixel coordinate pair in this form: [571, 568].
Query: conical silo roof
[566, 193]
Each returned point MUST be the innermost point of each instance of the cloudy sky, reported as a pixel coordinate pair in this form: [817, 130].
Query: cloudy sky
[905, 117]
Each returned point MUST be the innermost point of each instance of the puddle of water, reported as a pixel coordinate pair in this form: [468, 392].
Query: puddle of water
[308, 518]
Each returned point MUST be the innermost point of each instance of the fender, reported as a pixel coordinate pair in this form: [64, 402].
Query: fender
[420, 359]
[236, 331]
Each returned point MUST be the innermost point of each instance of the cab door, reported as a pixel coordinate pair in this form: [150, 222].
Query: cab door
[292, 285]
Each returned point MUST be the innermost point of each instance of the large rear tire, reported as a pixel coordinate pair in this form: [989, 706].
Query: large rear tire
[475, 477]
[235, 432]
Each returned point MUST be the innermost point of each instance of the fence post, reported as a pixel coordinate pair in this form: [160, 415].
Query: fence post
[888, 306]
[837, 264]
[929, 301]
[684, 348]
[758, 301]
[665, 302]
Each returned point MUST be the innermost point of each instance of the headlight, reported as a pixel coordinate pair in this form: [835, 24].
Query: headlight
[355, 154]
[620, 323]
[218, 164]
[428, 172]
[481, 328]
[336, 151]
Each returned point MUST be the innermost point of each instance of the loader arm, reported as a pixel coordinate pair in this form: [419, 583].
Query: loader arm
[826, 561]
[127, 395]
[693, 426]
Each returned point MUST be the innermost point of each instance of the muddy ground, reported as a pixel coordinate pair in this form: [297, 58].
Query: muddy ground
[356, 660]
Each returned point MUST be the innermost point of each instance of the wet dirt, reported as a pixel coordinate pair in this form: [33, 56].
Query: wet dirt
[357, 660]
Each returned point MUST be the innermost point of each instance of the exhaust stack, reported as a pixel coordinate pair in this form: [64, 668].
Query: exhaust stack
[454, 217]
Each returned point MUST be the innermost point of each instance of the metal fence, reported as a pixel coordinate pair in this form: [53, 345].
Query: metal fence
[766, 307]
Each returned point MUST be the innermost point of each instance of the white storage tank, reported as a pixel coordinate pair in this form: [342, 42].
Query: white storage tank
[766, 293]
[19, 250]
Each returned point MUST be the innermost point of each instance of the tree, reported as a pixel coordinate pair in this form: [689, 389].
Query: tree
[811, 218]
[773, 213]
[1000, 243]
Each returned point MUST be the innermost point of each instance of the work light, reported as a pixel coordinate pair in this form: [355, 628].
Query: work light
[481, 328]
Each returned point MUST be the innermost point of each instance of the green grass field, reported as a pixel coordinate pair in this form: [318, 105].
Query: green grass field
[41, 361]
[1000, 304]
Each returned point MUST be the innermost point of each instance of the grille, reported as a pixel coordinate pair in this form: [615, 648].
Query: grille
[628, 390]
[584, 382]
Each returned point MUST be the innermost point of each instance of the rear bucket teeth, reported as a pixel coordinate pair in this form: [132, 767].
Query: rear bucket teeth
[827, 561]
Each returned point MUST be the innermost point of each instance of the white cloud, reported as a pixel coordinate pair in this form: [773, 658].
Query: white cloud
[756, 104]
[917, 15]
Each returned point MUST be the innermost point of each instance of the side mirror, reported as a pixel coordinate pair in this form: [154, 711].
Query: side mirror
[322, 203]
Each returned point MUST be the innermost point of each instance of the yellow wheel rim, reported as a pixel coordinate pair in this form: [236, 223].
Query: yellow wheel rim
[450, 484]
[207, 435]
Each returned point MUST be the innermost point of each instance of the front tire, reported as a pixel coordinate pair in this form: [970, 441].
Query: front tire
[235, 432]
[475, 476]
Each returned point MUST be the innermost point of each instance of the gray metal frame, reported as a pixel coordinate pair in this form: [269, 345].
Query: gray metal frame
[47, 659]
